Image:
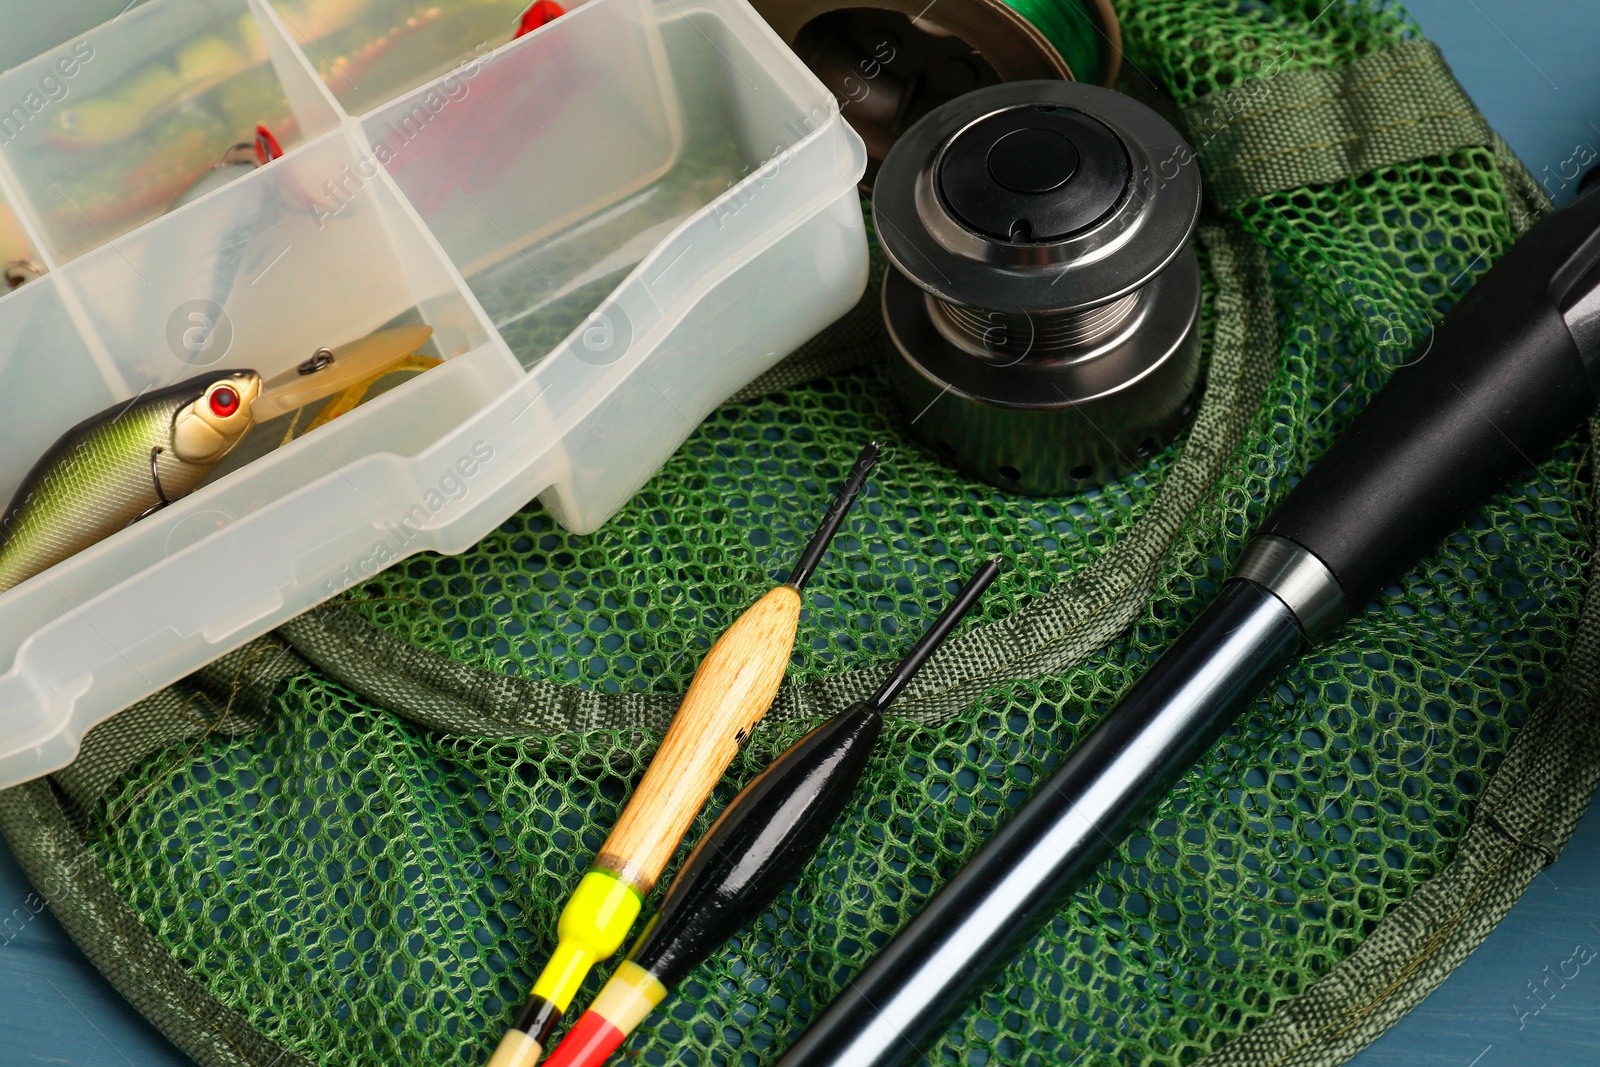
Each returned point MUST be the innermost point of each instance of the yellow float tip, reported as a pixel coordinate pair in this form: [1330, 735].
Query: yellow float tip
[592, 927]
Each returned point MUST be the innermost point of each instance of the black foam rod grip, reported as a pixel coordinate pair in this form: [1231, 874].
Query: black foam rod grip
[1504, 378]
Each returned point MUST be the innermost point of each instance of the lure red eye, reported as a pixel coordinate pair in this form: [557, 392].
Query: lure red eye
[224, 402]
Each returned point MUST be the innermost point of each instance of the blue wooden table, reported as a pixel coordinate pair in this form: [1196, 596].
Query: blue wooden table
[1533, 72]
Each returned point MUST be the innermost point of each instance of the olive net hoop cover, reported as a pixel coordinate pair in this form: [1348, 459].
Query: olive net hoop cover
[347, 843]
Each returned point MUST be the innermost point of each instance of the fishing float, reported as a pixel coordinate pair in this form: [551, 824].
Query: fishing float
[732, 688]
[756, 846]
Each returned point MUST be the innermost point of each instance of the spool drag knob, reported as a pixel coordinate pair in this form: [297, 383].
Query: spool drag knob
[1045, 298]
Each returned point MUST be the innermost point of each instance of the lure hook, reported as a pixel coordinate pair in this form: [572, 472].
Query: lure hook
[321, 359]
[155, 479]
[18, 271]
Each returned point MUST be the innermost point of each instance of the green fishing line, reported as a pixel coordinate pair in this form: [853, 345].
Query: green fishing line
[1068, 25]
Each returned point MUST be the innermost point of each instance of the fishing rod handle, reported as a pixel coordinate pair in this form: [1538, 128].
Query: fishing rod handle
[1511, 371]
[733, 687]
[758, 844]
[997, 903]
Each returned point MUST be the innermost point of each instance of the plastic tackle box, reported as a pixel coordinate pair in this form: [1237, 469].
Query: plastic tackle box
[611, 224]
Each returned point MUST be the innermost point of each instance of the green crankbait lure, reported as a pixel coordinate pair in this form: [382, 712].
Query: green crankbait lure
[120, 465]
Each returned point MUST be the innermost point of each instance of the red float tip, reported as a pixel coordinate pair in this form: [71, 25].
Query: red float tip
[537, 15]
[587, 1044]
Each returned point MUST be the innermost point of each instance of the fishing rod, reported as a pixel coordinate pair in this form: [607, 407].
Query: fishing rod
[756, 846]
[1510, 372]
[732, 688]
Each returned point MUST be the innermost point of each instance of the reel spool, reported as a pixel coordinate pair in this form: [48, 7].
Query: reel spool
[1045, 298]
[890, 62]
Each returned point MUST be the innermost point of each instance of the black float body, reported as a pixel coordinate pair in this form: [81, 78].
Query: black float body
[760, 842]
[770, 830]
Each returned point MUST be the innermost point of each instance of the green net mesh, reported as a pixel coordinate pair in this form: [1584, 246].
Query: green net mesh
[635, 605]
[366, 891]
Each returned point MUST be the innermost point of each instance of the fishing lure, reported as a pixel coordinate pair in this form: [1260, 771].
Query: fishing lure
[134, 102]
[15, 250]
[18, 271]
[115, 468]
[353, 366]
[351, 398]
[540, 13]
[313, 20]
[356, 64]
[238, 160]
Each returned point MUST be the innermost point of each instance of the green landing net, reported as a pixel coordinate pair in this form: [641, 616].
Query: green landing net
[348, 843]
